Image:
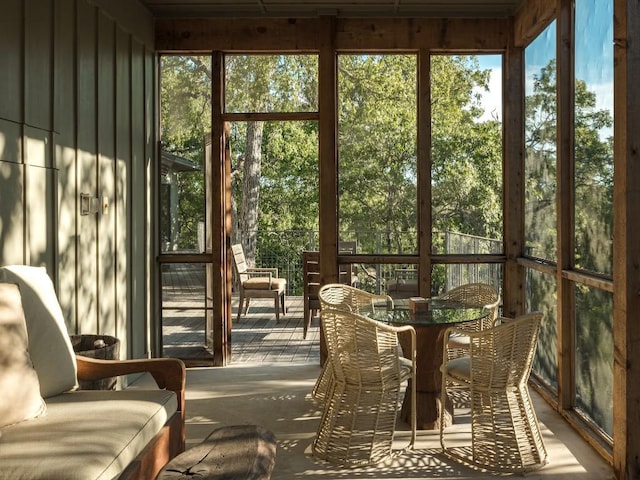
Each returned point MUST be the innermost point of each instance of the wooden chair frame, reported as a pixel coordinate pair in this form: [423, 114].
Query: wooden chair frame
[267, 286]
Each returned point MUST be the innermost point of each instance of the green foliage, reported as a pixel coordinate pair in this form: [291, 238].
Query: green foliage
[540, 165]
[466, 151]
[185, 106]
[377, 138]
[185, 110]
[271, 83]
[593, 174]
[377, 151]
[289, 186]
[593, 219]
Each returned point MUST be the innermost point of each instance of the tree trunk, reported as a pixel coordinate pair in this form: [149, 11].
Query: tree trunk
[251, 190]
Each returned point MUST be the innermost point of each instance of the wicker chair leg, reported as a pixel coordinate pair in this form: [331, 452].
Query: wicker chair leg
[323, 384]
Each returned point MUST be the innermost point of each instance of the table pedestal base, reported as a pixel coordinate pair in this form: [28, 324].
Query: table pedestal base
[428, 411]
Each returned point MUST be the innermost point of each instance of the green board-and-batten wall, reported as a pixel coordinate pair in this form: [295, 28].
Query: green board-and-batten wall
[77, 116]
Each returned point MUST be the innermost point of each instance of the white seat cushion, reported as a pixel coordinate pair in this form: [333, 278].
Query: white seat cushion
[459, 341]
[20, 399]
[85, 435]
[49, 344]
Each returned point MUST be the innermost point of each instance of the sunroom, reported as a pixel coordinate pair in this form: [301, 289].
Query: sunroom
[448, 140]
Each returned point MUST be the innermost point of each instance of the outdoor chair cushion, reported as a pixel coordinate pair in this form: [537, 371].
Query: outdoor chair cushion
[49, 343]
[459, 368]
[86, 435]
[264, 283]
[20, 399]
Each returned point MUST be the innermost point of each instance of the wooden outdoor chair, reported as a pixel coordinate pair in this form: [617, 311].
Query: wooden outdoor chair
[258, 283]
[348, 273]
[311, 287]
[505, 435]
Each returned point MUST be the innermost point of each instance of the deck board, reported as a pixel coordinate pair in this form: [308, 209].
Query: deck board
[256, 338]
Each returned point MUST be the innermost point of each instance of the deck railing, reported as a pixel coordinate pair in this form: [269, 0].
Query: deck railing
[283, 249]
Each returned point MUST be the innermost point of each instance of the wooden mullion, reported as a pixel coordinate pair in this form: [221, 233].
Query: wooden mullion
[271, 116]
[565, 203]
[328, 158]
[219, 276]
[424, 173]
[588, 279]
[513, 181]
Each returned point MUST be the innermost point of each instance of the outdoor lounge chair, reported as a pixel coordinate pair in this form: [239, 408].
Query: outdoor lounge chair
[258, 283]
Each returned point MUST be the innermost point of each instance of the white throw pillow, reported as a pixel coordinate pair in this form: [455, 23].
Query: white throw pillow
[20, 399]
[49, 344]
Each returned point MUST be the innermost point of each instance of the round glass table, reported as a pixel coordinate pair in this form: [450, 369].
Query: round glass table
[429, 326]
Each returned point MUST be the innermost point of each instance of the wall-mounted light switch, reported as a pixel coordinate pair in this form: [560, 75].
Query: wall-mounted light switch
[89, 204]
[85, 204]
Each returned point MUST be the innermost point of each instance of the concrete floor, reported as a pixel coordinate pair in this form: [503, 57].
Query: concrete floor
[269, 381]
[276, 396]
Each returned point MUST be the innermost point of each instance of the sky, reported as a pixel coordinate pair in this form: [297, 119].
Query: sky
[593, 56]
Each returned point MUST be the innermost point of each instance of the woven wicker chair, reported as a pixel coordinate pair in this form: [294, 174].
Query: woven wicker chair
[351, 299]
[474, 295]
[505, 435]
[258, 283]
[358, 421]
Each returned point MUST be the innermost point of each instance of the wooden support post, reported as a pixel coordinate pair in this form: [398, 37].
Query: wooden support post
[626, 243]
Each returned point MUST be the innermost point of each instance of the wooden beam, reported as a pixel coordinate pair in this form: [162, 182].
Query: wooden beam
[424, 174]
[439, 34]
[295, 35]
[218, 271]
[626, 241]
[531, 19]
[239, 35]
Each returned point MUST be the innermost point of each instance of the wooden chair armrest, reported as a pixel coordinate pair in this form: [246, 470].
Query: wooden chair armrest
[260, 272]
[169, 373]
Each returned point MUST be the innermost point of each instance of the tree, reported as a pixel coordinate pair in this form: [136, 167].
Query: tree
[185, 110]
[377, 151]
[593, 218]
[466, 152]
[262, 83]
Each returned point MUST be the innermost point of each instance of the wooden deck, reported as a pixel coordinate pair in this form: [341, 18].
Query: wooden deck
[257, 338]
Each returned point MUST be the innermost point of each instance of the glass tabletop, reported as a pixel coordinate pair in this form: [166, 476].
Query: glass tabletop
[439, 312]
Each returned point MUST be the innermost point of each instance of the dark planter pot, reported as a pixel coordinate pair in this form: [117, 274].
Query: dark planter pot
[104, 347]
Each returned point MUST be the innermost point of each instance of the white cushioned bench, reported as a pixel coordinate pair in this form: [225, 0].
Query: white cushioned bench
[85, 435]
[50, 430]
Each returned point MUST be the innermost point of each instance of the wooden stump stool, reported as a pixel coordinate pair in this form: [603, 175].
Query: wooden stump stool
[239, 452]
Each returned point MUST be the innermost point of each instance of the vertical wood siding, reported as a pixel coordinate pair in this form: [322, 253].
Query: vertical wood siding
[77, 116]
